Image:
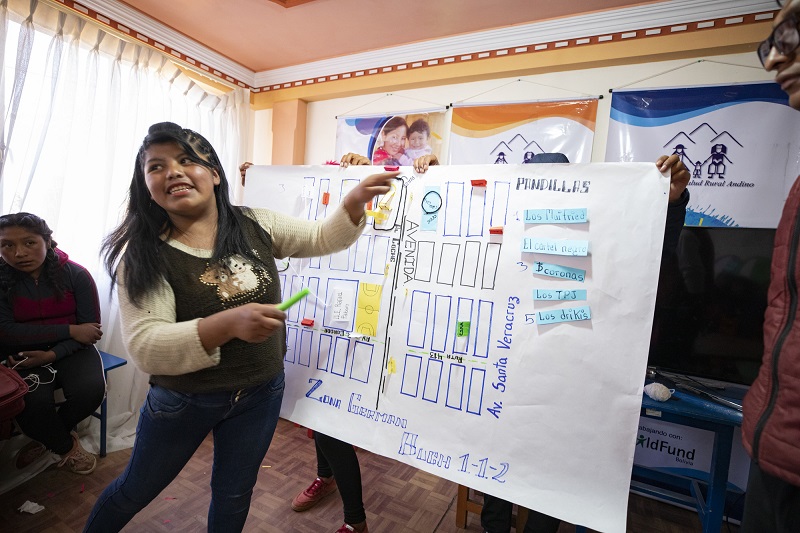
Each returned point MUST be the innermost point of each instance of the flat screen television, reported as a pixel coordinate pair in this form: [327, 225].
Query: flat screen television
[710, 304]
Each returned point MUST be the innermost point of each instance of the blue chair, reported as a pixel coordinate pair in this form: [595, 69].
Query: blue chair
[110, 362]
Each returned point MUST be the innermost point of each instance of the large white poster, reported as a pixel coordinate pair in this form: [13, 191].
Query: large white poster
[739, 141]
[491, 325]
[512, 133]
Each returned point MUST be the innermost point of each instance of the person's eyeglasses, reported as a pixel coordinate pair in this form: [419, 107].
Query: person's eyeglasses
[785, 38]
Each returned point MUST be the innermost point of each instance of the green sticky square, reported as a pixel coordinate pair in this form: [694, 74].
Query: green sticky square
[462, 329]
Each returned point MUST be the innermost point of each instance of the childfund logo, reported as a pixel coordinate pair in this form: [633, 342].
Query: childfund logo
[681, 455]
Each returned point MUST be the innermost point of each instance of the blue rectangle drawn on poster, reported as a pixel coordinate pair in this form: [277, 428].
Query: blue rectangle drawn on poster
[572, 314]
[558, 271]
[555, 246]
[431, 204]
[553, 294]
[556, 216]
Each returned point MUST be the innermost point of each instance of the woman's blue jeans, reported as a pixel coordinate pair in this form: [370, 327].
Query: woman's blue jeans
[171, 428]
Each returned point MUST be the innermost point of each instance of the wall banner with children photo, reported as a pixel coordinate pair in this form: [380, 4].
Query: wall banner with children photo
[512, 133]
[739, 141]
[391, 140]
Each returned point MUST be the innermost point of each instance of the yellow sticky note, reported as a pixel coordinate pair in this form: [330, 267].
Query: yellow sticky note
[391, 366]
[369, 306]
[379, 216]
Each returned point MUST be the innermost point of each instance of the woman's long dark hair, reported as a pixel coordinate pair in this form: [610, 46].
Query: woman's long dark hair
[51, 273]
[138, 237]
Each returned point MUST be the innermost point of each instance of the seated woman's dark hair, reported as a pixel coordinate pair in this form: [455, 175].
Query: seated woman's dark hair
[9, 276]
[138, 237]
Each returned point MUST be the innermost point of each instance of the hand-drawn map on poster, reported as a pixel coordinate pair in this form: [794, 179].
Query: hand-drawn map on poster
[491, 325]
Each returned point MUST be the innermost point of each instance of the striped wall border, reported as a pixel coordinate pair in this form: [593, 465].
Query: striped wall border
[617, 37]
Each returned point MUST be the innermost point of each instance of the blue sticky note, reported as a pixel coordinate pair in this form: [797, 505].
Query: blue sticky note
[556, 216]
[431, 204]
[571, 314]
[555, 246]
[558, 271]
[429, 222]
[560, 294]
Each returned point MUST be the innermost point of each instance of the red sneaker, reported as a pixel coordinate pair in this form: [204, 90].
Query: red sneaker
[313, 494]
[347, 528]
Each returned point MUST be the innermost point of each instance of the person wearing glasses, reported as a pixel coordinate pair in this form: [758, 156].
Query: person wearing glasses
[771, 422]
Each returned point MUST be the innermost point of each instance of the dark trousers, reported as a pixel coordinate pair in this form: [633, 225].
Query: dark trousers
[80, 376]
[496, 518]
[172, 425]
[770, 504]
[338, 459]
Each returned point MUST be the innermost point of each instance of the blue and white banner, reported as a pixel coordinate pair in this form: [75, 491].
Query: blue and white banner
[741, 143]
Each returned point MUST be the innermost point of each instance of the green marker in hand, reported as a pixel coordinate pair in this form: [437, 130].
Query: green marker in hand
[283, 306]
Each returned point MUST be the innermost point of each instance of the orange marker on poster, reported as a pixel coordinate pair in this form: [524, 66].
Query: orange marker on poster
[496, 230]
[478, 183]
[307, 322]
[326, 196]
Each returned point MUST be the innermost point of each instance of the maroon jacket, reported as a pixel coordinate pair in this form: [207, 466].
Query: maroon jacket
[771, 424]
[33, 318]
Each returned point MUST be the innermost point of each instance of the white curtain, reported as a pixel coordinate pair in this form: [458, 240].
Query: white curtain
[76, 101]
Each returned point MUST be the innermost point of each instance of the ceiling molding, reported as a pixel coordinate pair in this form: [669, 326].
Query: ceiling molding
[145, 26]
[605, 26]
[596, 24]
[290, 3]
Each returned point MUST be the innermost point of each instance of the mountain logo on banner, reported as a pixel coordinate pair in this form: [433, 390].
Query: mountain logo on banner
[517, 143]
[706, 154]
[710, 157]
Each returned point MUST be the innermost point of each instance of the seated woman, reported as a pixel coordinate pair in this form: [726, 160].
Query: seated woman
[49, 321]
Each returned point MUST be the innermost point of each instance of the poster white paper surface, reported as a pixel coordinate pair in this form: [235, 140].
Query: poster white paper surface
[452, 370]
